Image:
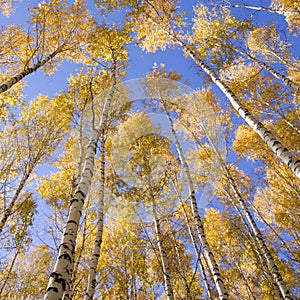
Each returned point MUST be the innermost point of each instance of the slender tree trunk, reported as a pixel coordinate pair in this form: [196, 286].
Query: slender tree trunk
[13, 80]
[284, 61]
[253, 226]
[69, 294]
[99, 232]
[133, 288]
[181, 267]
[282, 116]
[261, 259]
[270, 10]
[276, 74]
[260, 240]
[9, 211]
[197, 252]
[80, 151]
[164, 259]
[222, 292]
[270, 139]
[4, 282]
[250, 293]
[283, 243]
[63, 268]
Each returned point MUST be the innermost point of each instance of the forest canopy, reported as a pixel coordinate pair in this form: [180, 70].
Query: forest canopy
[149, 149]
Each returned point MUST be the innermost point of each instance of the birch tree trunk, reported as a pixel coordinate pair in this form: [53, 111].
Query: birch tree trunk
[13, 80]
[260, 240]
[10, 269]
[62, 272]
[9, 211]
[197, 252]
[180, 266]
[164, 260]
[267, 256]
[214, 268]
[98, 240]
[276, 74]
[261, 258]
[261, 8]
[270, 139]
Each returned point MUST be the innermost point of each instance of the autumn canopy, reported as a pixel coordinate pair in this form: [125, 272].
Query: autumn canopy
[149, 149]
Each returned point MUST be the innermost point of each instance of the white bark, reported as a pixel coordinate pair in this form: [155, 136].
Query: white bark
[13, 80]
[270, 10]
[98, 240]
[180, 266]
[214, 268]
[274, 144]
[62, 272]
[276, 74]
[272, 267]
[270, 139]
[197, 252]
[164, 260]
[267, 256]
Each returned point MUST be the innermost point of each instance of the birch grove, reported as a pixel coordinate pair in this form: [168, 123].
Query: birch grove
[149, 149]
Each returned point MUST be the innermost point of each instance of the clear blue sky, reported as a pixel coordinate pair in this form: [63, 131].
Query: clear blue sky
[140, 63]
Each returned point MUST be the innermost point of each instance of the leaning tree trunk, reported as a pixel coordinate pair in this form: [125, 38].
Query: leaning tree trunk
[197, 252]
[99, 231]
[62, 272]
[9, 211]
[286, 80]
[261, 259]
[270, 139]
[214, 268]
[260, 241]
[164, 259]
[13, 80]
[270, 10]
[253, 226]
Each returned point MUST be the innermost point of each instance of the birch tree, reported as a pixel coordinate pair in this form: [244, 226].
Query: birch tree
[162, 34]
[253, 227]
[99, 230]
[50, 40]
[161, 92]
[114, 53]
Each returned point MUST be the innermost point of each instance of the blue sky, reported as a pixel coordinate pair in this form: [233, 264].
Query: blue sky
[140, 63]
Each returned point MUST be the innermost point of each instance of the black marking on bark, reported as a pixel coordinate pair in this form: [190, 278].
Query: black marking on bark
[74, 200]
[54, 289]
[65, 256]
[72, 221]
[58, 279]
[81, 193]
[65, 246]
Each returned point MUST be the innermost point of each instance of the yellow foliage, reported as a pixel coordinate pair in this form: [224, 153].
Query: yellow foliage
[265, 39]
[109, 44]
[153, 22]
[6, 6]
[213, 28]
[290, 9]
